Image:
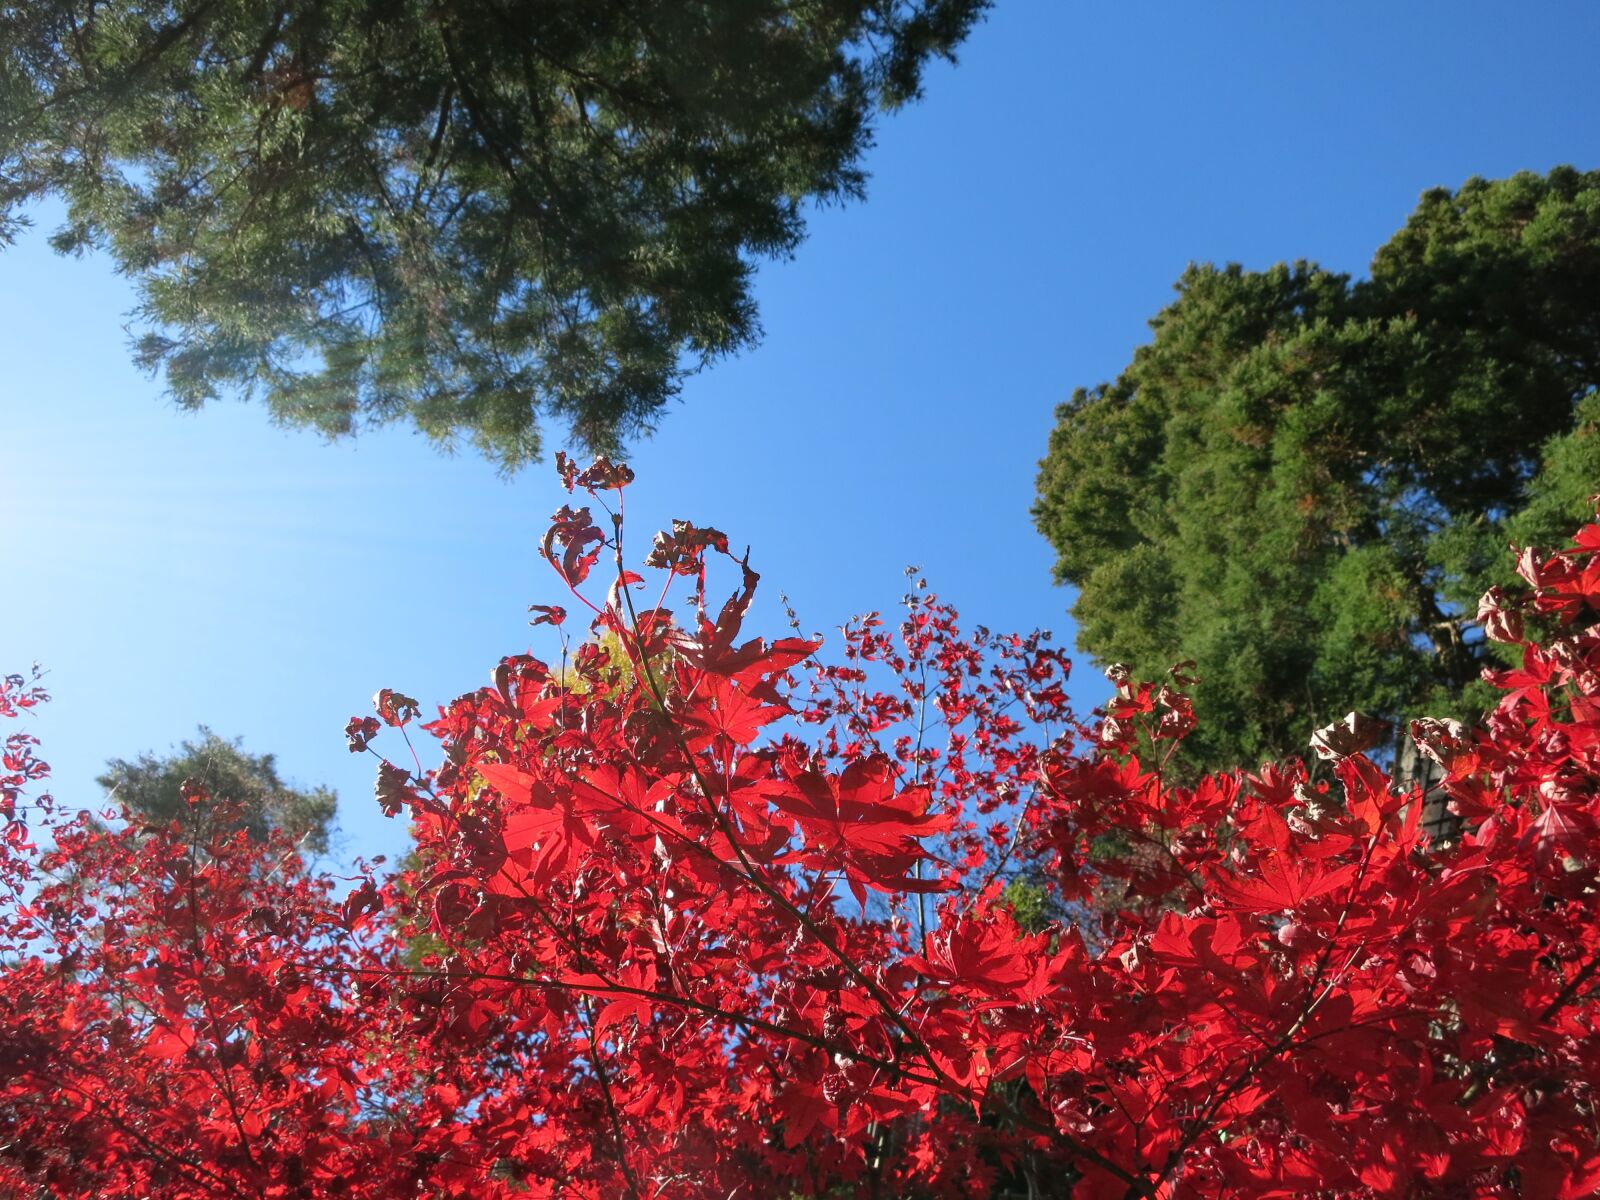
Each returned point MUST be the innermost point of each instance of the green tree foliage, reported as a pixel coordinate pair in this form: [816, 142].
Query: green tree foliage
[1305, 482]
[153, 787]
[464, 214]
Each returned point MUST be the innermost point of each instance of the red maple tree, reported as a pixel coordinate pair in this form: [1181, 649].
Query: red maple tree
[698, 914]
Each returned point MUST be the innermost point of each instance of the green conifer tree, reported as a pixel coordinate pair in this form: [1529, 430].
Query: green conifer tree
[462, 214]
[1305, 482]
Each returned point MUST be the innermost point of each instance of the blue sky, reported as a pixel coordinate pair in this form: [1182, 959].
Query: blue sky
[1022, 224]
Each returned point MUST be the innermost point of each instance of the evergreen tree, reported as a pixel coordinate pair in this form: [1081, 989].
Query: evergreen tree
[1305, 482]
[462, 214]
[153, 787]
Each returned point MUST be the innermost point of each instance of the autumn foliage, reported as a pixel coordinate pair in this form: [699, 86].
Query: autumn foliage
[699, 914]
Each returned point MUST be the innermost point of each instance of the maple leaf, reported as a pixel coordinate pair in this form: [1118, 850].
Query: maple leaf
[1500, 621]
[572, 532]
[360, 731]
[683, 550]
[363, 901]
[396, 708]
[984, 956]
[1282, 881]
[802, 1108]
[1442, 739]
[549, 614]
[170, 1039]
[540, 828]
[858, 822]
[732, 713]
[1562, 833]
[392, 788]
[754, 660]
[632, 975]
[601, 475]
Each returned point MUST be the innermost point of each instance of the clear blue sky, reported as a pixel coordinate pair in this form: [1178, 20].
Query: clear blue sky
[1023, 223]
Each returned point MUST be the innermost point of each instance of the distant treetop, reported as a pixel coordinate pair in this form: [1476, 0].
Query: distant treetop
[470, 215]
[256, 799]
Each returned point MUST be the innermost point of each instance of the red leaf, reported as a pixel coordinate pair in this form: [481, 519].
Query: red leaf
[1282, 881]
[549, 614]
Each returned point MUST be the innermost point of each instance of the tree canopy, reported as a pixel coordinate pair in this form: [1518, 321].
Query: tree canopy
[1305, 482]
[464, 215]
[181, 785]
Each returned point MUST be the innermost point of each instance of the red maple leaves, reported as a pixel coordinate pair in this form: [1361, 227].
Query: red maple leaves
[705, 915]
[860, 823]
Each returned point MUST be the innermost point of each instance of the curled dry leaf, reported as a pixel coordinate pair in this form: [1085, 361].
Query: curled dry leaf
[1353, 735]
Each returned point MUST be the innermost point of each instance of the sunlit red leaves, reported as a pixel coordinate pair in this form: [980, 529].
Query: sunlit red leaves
[637, 953]
[19, 693]
[1564, 584]
[196, 1047]
[747, 795]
